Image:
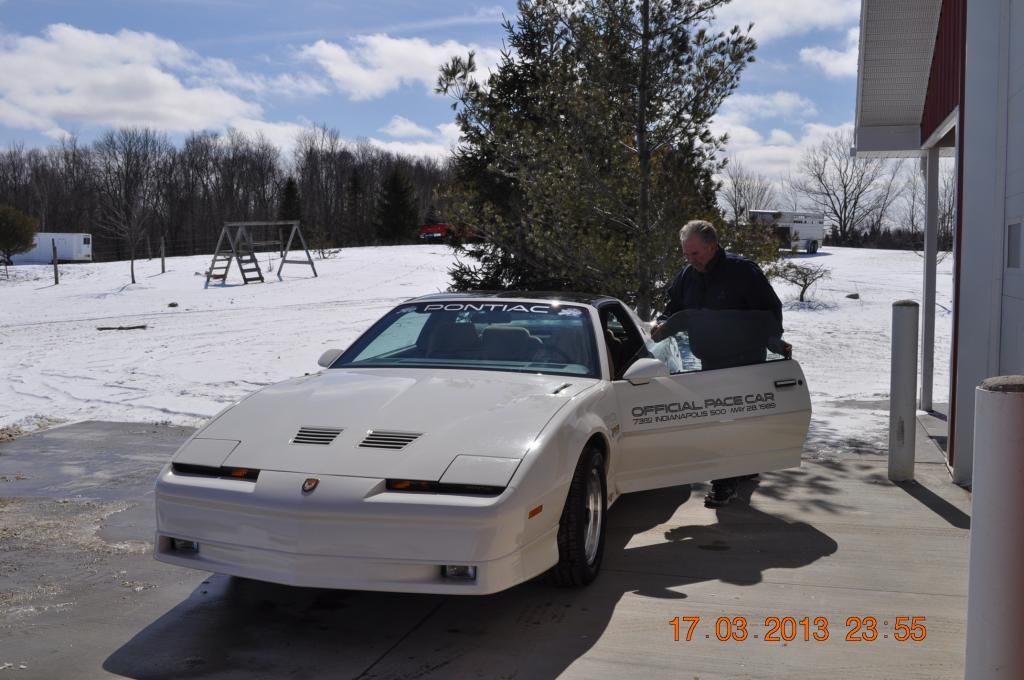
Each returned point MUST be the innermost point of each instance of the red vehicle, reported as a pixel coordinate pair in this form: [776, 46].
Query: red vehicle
[430, 233]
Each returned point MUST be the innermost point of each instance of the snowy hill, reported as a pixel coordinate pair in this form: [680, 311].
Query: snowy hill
[219, 344]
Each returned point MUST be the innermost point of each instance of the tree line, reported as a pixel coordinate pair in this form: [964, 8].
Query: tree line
[133, 187]
[867, 202]
[583, 151]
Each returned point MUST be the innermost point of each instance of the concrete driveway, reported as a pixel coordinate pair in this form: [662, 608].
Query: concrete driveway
[832, 542]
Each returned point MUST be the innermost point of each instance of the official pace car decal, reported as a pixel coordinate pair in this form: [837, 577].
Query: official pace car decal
[653, 414]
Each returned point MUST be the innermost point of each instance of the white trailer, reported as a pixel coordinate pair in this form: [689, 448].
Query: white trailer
[795, 230]
[70, 248]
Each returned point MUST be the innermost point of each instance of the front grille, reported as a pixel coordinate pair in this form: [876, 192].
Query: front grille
[316, 435]
[386, 439]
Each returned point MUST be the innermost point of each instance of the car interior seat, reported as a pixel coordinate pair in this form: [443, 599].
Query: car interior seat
[509, 343]
[570, 345]
[453, 341]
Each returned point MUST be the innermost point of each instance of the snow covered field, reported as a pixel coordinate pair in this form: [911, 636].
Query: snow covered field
[220, 343]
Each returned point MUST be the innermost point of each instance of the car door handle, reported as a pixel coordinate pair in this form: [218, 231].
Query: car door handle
[791, 382]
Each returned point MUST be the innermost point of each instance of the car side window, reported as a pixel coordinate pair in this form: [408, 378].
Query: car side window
[706, 340]
[675, 352]
[624, 341]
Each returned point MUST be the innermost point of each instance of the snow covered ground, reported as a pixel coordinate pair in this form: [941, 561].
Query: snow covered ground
[220, 343]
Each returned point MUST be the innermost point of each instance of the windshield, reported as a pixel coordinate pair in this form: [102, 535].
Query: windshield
[495, 336]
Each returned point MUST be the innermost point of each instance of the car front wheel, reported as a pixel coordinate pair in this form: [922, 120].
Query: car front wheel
[582, 526]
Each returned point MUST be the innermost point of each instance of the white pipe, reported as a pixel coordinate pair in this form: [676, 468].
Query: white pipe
[995, 591]
[902, 389]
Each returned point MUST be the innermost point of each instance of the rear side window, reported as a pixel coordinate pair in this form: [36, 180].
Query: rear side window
[86, 240]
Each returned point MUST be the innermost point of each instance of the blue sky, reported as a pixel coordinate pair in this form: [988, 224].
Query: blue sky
[365, 68]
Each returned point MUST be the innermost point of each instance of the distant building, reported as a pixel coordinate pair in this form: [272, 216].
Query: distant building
[70, 248]
[796, 230]
[946, 77]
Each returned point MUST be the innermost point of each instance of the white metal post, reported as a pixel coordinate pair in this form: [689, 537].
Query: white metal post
[995, 591]
[931, 251]
[902, 389]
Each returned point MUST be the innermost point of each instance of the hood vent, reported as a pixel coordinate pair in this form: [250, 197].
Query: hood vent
[316, 435]
[388, 439]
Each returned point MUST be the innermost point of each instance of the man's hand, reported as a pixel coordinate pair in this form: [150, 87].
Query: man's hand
[780, 346]
[680, 321]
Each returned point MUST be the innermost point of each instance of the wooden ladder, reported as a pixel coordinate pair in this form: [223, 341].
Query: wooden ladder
[237, 244]
[241, 249]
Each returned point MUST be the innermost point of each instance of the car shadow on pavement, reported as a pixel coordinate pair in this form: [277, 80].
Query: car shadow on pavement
[240, 628]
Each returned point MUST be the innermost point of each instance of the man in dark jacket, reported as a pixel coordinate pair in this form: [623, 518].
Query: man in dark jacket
[730, 310]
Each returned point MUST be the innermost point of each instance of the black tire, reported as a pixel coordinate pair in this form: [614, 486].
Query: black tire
[814, 248]
[575, 566]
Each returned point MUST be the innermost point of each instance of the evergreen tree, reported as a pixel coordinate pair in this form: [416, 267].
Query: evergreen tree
[433, 215]
[590, 144]
[17, 232]
[291, 202]
[396, 209]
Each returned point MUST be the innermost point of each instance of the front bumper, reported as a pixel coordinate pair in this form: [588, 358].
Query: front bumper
[349, 533]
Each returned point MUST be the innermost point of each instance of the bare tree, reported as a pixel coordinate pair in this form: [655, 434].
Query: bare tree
[911, 207]
[790, 197]
[947, 203]
[744, 190]
[802, 275]
[854, 193]
[126, 164]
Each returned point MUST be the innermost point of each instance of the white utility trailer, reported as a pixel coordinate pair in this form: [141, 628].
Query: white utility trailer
[795, 230]
[70, 248]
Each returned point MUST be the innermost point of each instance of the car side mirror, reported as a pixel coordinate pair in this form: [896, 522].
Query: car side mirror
[644, 370]
[329, 357]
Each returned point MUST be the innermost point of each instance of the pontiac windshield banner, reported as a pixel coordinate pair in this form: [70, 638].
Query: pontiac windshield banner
[719, 406]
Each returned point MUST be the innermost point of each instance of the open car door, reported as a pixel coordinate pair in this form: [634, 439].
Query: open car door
[693, 425]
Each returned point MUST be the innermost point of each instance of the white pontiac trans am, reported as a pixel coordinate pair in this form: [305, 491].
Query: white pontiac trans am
[465, 444]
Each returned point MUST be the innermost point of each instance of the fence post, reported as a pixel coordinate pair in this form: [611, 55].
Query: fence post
[995, 589]
[56, 274]
[163, 265]
[902, 391]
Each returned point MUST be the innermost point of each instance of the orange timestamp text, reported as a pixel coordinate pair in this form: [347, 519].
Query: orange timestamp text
[806, 628]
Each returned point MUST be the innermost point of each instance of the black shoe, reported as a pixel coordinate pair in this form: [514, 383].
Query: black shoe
[720, 495]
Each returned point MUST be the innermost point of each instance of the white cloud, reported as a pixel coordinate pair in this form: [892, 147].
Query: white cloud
[222, 73]
[437, 144]
[835, 63]
[782, 104]
[483, 15]
[774, 19]
[70, 76]
[426, 149]
[378, 64]
[399, 126]
[779, 154]
[283, 135]
[450, 134]
[781, 138]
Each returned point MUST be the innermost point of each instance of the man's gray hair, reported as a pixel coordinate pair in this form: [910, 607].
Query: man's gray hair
[701, 228]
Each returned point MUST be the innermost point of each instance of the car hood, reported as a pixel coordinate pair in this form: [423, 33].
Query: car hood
[473, 413]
